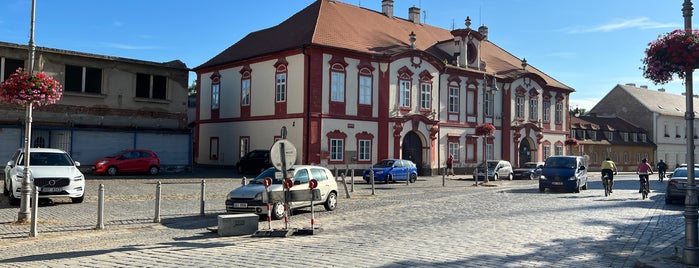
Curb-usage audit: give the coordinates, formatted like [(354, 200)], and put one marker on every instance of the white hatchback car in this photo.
[(248, 198), (52, 170)]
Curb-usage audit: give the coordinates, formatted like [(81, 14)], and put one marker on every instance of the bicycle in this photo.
[(645, 186), (607, 185), (661, 175)]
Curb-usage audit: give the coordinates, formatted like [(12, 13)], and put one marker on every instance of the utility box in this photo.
[(237, 224)]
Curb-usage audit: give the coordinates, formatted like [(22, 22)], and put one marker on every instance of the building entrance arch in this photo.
[(525, 151), (412, 149)]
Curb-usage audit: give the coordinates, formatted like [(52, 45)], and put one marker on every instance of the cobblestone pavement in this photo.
[(423, 224)]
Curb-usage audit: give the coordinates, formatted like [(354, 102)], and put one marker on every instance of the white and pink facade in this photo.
[(353, 86)]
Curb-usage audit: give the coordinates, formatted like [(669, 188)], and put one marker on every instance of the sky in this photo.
[(589, 45)]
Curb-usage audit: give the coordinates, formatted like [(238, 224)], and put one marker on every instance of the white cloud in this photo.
[(620, 24)]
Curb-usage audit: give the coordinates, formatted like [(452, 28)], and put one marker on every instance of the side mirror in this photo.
[(77, 164), (11, 163)]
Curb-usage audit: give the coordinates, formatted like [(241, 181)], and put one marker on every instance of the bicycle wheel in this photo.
[(606, 187), (645, 190)]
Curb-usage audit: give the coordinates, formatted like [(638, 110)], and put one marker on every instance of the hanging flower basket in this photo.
[(674, 53), (37, 89), (486, 129), (571, 142)]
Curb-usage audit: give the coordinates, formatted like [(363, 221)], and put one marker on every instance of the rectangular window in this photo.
[(547, 111), (519, 107), (281, 88), (9, 66), (151, 86), (365, 90), (547, 151), (489, 104), (244, 146), (453, 99), (533, 109), (470, 152), (559, 112), (559, 150), (337, 84), (404, 97), (625, 136), (593, 135), (215, 97), (454, 150), (83, 79), (336, 149), (245, 92), (489, 151), (364, 150), (425, 96)]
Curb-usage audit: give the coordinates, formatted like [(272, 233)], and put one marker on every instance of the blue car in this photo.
[(565, 173), (389, 170)]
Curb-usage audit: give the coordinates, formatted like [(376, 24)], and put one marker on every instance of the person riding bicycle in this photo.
[(644, 169), (609, 169), (662, 167)]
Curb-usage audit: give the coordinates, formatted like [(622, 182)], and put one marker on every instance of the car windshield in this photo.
[(683, 173), (48, 159), (560, 162), (384, 164), (267, 173)]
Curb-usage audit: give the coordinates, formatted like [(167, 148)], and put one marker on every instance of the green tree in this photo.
[(192, 90)]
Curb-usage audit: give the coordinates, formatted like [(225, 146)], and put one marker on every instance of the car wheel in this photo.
[(413, 178), (278, 211), (331, 202), (153, 170), (584, 187), (388, 179), (76, 200), (509, 177), (531, 176), (495, 177), (111, 171)]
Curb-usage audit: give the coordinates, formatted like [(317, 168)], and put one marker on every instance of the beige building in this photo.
[(108, 104)]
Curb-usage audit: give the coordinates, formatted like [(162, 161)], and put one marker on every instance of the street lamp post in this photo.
[(691, 251), (26, 189), (488, 109)]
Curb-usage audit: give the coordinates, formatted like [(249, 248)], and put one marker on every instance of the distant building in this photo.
[(354, 86), (601, 137), (660, 113), (108, 104)]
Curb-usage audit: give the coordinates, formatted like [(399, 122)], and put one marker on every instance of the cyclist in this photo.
[(644, 169), (609, 169), (662, 167)]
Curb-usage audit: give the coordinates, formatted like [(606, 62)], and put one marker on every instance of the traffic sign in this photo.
[(283, 154)]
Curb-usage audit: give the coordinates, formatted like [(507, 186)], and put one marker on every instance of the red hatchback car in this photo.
[(128, 161)]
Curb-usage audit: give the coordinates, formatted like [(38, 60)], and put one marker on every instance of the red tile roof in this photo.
[(340, 25)]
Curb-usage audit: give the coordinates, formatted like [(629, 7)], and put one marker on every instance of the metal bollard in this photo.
[(203, 194), (244, 181), (352, 182), (100, 208), (371, 174), (407, 176), (444, 175), (35, 208), (158, 194)]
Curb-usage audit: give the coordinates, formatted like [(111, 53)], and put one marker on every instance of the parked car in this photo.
[(527, 171), (496, 169), (563, 172), (254, 161), (248, 198), (52, 170), (128, 161), (389, 170), (676, 189)]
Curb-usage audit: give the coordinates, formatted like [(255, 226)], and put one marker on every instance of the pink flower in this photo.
[(23, 88)]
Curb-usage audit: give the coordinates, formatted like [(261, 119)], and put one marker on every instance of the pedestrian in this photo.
[(662, 167), (644, 169), (450, 165)]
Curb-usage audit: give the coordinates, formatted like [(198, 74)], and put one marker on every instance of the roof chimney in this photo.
[(483, 30), (631, 84), (661, 89), (644, 86), (387, 8), (414, 14)]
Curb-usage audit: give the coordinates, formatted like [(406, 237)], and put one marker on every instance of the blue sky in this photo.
[(589, 45)]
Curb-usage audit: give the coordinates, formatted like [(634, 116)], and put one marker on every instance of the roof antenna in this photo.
[(424, 16)]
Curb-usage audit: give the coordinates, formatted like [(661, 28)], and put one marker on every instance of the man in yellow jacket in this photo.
[(609, 169)]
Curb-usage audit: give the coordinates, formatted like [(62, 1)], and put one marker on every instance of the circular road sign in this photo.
[(312, 184), (267, 182), (283, 148)]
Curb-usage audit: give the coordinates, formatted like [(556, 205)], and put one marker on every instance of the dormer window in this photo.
[(472, 52)]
